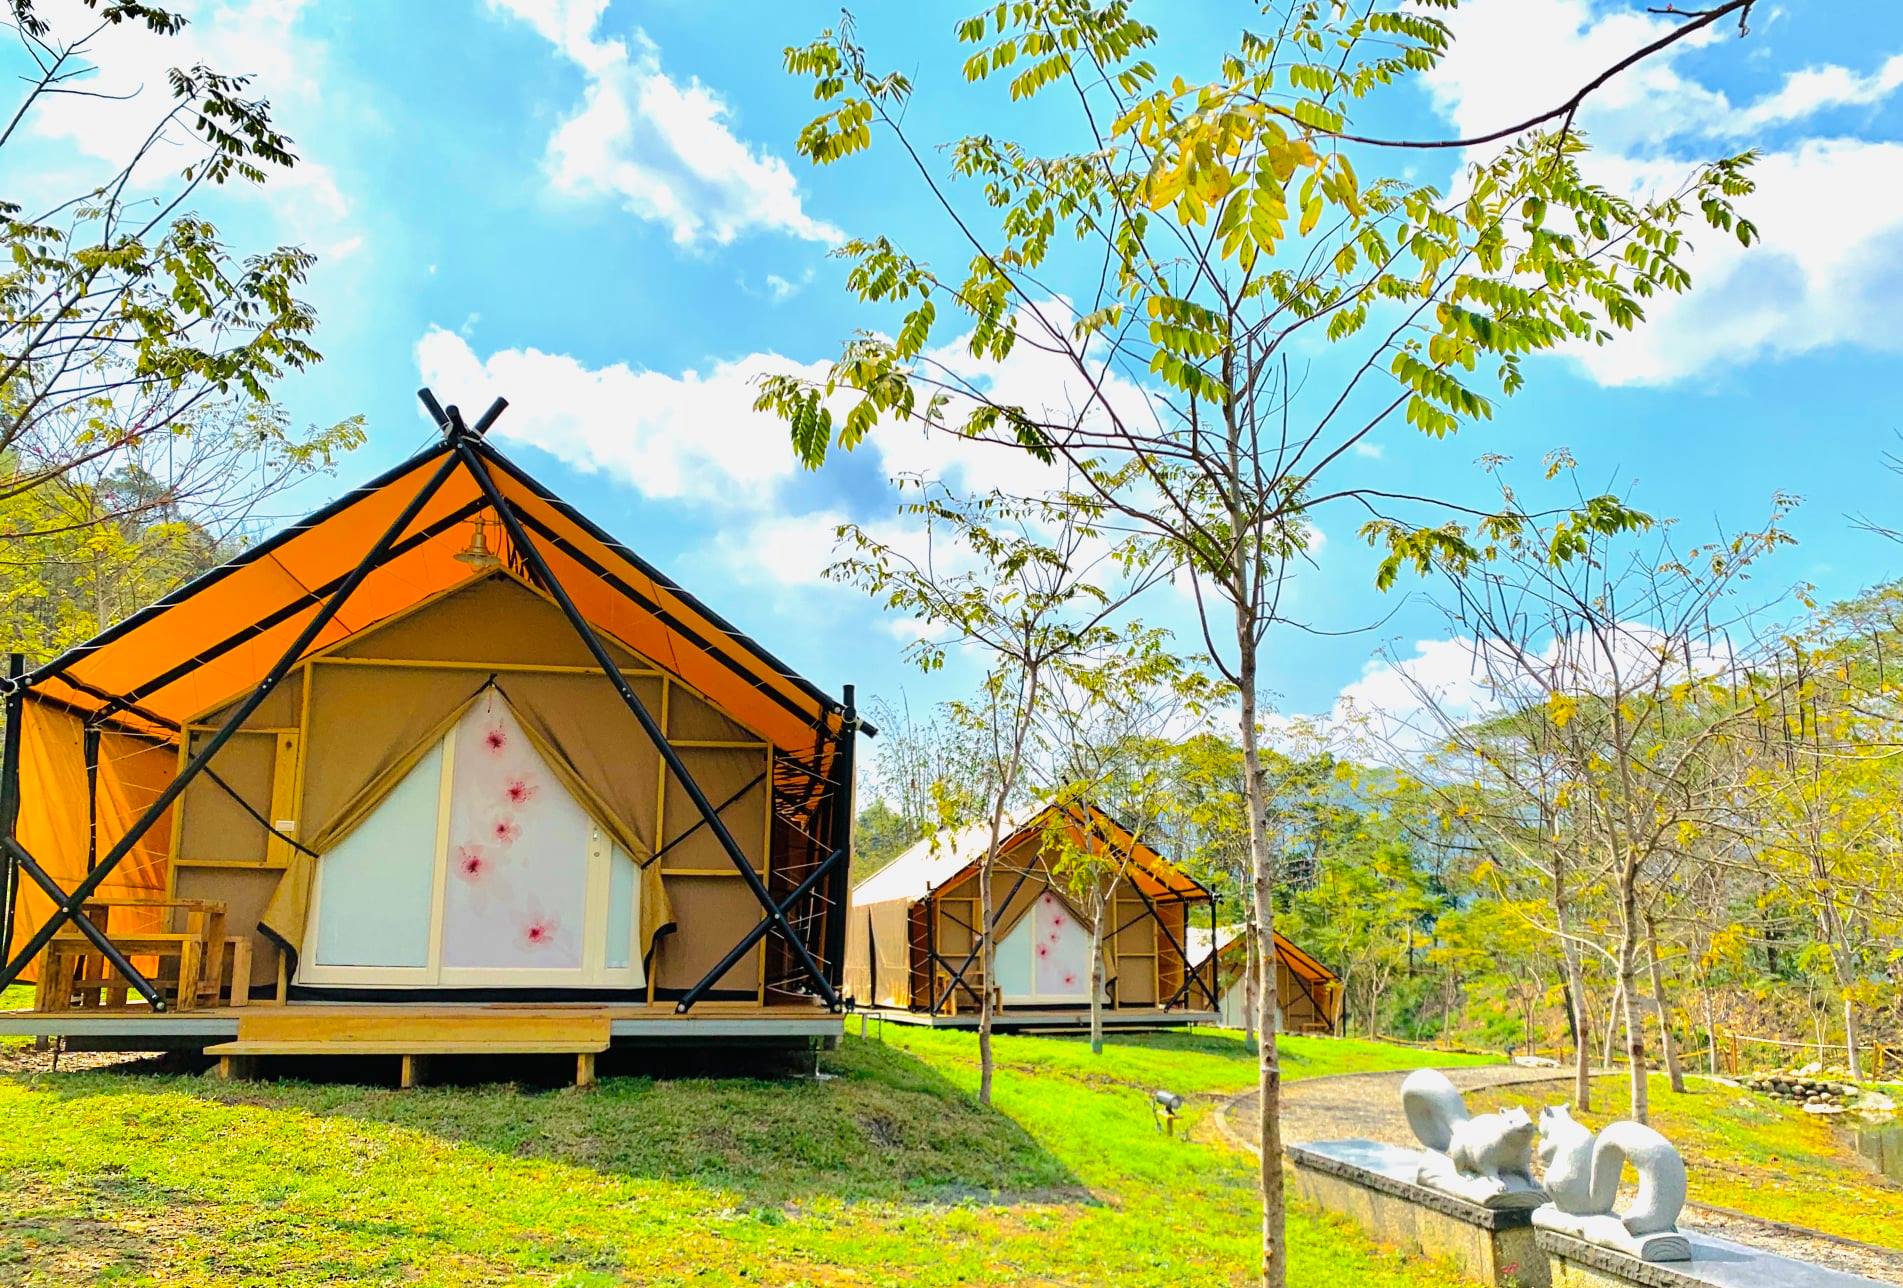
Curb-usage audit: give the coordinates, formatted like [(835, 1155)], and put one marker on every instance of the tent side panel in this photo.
[(53, 824), (879, 953)]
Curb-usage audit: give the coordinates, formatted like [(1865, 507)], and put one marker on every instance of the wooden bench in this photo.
[(74, 971), (413, 1037)]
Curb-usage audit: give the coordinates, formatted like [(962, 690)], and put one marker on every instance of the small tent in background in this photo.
[(444, 740), (913, 933), (1307, 993)]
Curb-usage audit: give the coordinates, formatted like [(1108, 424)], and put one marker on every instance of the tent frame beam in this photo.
[(68, 907), (462, 441)]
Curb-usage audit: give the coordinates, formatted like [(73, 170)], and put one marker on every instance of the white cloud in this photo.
[(1827, 270), (130, 90), (692, 436), (1831, 255), (1815, 89), (1373, 451), (665, 149)]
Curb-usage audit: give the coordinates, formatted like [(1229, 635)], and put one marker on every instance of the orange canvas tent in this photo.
[(138, 764), (914, 936)]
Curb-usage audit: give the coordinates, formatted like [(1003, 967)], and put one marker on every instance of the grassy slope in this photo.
[(890, 1173), (1752, 1154)]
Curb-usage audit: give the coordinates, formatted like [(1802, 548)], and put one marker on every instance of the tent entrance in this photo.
[(478, 869), (1045, 959)]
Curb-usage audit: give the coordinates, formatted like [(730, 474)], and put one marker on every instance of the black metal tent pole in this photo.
[(462, 441), (18, 861), (68, 908), (843, 823), (10, 798), (752, 937)]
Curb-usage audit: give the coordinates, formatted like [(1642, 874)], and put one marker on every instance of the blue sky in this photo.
[(596, 209)]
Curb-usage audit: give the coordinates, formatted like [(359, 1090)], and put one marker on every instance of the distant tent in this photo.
[(1307, 993), (914, 929)]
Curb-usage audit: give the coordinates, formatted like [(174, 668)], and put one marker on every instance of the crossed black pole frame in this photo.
[(68, 907), (466, 444), (462, 444), (1191, 974)]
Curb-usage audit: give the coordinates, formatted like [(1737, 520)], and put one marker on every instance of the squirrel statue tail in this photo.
[(1434, 1108), (1661, 1176)]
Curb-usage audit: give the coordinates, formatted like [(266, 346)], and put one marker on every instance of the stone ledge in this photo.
[(1330, 1157), (1715, 1263)]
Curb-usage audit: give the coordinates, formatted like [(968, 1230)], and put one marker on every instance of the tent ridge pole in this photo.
[(525, 546), (69, 907)]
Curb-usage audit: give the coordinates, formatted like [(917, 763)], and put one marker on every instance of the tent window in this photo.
[(477, 870), (379, 885)]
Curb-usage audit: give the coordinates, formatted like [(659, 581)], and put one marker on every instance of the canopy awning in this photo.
[(219, 635)]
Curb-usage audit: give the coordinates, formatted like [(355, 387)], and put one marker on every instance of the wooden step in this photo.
[(397, 1031), (398, 1047)]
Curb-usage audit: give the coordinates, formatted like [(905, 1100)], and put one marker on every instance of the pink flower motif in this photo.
[(472, 864), (495, 738), (504, 830), (1069, 979), (519, 790), (1057, 920), (1043, 950), (539, 930)]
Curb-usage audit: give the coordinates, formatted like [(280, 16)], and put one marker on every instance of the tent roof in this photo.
[(218, 636), (946, 856), (1198, 940)]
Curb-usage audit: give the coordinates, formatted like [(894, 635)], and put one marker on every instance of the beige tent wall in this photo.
[(879, 965), (372, 699)]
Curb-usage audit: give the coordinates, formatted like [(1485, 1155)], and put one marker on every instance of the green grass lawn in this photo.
[(1756, 1155), (889, 1172)]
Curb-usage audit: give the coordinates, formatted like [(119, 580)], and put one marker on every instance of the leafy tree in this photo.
[(1025, 585), (1202, 228), (1095, 753), (135, 345), (880, 835)]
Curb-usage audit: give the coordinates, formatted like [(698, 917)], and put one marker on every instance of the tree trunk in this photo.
[(1853, 1062), (1576, 993), (1262, 881), (987, 963), (1711, 1035), (1251, 986), (1613, 1011), (1096, 983), (1634, 1021), (1667, 1043)]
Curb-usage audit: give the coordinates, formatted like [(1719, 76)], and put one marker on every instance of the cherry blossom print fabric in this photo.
[(518, 852), (1060, 965)]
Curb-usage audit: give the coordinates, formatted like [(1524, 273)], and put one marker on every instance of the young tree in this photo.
[(1099, 740), (1202, 228), (1027, 586), (1621, 660), (135, 345)]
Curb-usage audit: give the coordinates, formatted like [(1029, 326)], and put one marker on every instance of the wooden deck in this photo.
[(483, 1025), (1025, 1019)]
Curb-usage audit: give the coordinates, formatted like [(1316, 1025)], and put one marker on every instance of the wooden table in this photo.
[(75, 971)]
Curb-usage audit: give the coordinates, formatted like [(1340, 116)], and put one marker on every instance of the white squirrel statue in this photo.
[(1484, 1158), (1581, 1172)]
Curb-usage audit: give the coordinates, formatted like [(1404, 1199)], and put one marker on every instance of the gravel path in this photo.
[(1368, 1106)]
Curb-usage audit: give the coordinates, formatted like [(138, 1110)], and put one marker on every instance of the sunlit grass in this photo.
[(887, 1173)]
